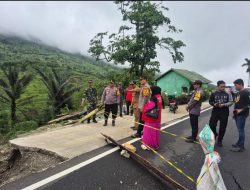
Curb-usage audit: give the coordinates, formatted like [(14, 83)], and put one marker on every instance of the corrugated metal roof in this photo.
[(190, 75)]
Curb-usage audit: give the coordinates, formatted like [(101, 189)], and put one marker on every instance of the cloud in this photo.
[(216, 33)]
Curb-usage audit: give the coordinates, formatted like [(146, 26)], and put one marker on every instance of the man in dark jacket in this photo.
[(194, 109), (241, 112), (220, 100)]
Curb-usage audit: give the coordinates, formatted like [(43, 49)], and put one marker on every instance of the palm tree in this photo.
[(60, 90), (248, 69), (14, 84)]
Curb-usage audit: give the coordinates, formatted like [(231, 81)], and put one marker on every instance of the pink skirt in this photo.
[(151, 137)]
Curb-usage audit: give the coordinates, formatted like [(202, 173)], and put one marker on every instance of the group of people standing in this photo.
[(221, 101), (140, 101), (146, 104)]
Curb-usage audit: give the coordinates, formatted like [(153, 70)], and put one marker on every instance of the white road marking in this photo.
[(91, 160), (73, 168)]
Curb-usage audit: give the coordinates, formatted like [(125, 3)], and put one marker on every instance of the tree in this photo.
[(60, 88), (248, 69), (14, 85), (138, 48)]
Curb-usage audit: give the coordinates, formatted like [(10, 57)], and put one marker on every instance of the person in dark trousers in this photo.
[(128, 97), (220, 100), (241, 112), (194, 109), (120, 105), (144, 97), (111, 99)]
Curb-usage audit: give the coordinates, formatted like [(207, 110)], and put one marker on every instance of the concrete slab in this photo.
[(72, 141)]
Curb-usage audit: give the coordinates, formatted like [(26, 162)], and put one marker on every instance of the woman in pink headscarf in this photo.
[(152, 125)]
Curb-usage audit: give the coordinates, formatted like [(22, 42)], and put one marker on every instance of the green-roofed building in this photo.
[(179, 81)]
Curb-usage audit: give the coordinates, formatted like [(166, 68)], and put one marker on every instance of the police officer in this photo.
[(111, 99), (145, 94), (194, 109), (220, 100), (135, 103), (91, 96)]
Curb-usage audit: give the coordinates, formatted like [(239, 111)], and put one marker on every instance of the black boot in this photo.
[(189, 137), (191, 140), (136, 135), (113, 122), (219, 143), (94, 121), (88, 121), (106, 123)]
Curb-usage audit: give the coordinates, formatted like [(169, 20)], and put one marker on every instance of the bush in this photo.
[(4, 122), (165, 99), (182, 99), (43, 115), (25, 126), (11, 134), (206, 96)]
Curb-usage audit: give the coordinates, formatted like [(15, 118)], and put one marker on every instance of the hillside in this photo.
[(79, 63), (82, 67)]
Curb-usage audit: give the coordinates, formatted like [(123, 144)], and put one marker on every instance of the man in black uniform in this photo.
[(91, 96), (241, 112), (220, 100)]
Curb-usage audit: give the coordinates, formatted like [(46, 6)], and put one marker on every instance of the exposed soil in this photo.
[(17, 162)]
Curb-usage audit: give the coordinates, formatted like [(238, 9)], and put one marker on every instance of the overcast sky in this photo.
[(216, 33)]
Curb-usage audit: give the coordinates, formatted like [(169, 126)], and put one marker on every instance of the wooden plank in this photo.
[(147, 165), (95, 111), (69, 116)]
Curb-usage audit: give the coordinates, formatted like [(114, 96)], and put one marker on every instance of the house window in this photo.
[(184, 90)]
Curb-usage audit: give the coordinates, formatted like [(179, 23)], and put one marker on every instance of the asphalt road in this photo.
[(116, 172)]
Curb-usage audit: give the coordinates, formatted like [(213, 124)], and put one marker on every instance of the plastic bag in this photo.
[(210, 177)]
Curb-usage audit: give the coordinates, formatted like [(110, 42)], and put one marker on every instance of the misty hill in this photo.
[(79, 63), (81, 67)]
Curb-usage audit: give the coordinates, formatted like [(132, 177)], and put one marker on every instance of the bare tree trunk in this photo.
[(13, 112), (141, 70)]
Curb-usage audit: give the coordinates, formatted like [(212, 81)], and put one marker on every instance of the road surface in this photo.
[(116, 172)]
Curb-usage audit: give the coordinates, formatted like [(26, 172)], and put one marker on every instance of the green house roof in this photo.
[(189, 75)]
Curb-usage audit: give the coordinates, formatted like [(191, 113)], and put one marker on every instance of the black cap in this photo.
[(239, 81), (198, 82), (133, 82), (143, 77)]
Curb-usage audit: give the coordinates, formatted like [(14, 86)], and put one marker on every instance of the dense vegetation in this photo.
[(33, 101)]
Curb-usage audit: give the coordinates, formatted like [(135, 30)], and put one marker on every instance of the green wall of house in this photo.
[(173, 82)]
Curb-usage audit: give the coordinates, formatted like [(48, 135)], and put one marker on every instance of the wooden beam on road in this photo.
[(68, 116), (148, 166)]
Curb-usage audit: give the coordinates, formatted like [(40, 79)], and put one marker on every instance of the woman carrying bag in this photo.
[(151, 115)]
